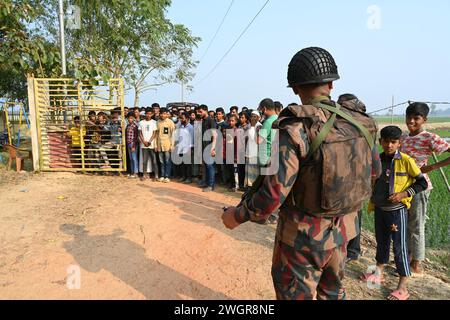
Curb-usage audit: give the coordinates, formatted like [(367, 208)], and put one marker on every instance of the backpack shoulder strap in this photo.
[(315, 144), (356, 123)]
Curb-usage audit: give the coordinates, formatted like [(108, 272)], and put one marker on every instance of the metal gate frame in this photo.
[(55, 101)]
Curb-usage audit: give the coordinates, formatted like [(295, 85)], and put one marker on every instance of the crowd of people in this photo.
[(200, 145)]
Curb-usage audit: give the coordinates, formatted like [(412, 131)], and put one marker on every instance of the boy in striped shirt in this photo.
[(420, 145)]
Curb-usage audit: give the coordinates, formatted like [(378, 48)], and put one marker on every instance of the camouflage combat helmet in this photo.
[(312, 65)]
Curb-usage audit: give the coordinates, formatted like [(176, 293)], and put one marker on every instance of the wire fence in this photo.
[(407, 103)]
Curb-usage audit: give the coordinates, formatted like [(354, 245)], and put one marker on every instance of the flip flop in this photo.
[(397, 295), (371, 277)]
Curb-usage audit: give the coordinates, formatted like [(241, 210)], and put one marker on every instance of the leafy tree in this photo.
[(130, 39), (168, 61), (23, 48)]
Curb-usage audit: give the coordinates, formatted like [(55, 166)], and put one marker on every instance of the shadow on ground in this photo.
[(199, 209), (128, 262)]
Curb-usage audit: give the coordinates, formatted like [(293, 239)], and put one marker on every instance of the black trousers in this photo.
[(393, 226), (185, 169), (230, 171), (129, 169), (354, 245), (241, 175)]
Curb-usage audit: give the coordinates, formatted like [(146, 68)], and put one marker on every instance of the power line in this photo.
[(389, 108), (217, 31), (234, 44), (406, 102), (428, 102)]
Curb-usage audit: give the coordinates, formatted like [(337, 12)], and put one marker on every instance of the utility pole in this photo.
[(392, 110), (62, 43), (182, 91), (61, 38)]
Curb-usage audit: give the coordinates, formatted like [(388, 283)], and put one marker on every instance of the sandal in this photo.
[(398, 295), (372, 277)]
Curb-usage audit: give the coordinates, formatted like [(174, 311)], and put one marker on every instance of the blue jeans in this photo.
[(166, 164), (134, 164), (210, 173)]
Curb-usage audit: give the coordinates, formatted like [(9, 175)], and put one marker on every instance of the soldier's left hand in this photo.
[(228, 218)]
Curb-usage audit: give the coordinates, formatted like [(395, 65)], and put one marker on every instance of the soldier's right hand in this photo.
[(228, 218)]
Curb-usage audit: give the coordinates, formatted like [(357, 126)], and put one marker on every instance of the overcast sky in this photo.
[(382, 48)]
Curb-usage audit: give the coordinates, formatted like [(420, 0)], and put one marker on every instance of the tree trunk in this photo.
[(136, 97)]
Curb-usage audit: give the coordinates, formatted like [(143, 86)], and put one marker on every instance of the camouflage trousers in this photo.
[(308, 274)]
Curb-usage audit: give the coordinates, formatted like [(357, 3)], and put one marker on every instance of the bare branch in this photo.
[(151, 86), (144, 75)]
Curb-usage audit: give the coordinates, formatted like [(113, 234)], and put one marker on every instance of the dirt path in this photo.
[(139, 240)]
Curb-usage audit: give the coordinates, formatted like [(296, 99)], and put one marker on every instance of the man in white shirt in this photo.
[(251, 154), (184, 138), (147, 137)]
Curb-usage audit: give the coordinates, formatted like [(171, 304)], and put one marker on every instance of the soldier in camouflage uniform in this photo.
[(320, 185)]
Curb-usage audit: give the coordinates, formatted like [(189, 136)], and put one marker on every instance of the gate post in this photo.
[(33, 123)]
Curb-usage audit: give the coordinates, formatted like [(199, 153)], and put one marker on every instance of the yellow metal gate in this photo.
[(80, 126)]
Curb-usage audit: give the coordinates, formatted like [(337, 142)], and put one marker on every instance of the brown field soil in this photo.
[(146, 240), (428, 126)]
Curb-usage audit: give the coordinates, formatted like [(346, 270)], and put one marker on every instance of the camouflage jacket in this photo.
[(296, 228)]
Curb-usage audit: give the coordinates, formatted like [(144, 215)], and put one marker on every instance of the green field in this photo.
[(401, 119), (438, 225), (444, 133)]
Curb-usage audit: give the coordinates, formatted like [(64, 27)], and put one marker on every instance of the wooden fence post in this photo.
[(33, 123)]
